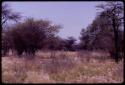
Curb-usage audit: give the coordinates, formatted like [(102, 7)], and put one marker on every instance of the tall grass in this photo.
[(65, 67)]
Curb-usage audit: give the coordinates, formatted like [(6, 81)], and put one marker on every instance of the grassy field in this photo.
[(66, 67)]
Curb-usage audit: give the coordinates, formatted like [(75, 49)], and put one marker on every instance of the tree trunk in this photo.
[(115, 40)]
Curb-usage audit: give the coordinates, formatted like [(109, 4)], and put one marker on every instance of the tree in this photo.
[(83, 39), (7, 42), (101, 35), (8, 14), (31, 35), (114, 11), (69, 43)]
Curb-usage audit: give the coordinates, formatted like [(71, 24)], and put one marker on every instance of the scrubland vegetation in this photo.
[(32, 52)]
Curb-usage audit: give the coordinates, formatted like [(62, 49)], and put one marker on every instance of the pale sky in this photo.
[(73, 16)]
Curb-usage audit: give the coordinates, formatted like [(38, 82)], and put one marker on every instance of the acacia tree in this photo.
[(69, 43), (52, 44), (114, 12), (30, 35), (8, 14)]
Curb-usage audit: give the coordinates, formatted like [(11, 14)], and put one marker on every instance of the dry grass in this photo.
[(66, 67)]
